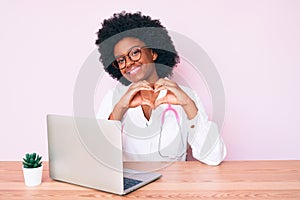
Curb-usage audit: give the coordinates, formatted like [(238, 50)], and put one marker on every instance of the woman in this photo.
[(159, 117)]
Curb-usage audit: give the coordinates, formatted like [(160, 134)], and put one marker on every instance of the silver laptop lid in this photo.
[(80, 153)]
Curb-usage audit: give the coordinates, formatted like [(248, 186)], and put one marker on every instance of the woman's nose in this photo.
[(129, 62)]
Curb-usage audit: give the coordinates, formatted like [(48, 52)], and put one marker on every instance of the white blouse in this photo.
[(157, 140)]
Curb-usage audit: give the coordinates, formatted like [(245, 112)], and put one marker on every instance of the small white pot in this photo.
[(33, 176)]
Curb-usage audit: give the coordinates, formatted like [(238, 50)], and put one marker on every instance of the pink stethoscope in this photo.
[(171, 157), (170, 108)]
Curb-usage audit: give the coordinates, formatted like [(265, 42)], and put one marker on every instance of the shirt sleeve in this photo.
[(204, 137), (109, 101)]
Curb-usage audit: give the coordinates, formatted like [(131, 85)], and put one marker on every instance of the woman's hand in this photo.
[(144, 93), (140, 93), (175, 96)]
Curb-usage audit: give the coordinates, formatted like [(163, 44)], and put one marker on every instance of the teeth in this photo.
[(134, 70)]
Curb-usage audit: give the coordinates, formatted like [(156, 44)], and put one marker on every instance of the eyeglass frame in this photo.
[(115, 62)]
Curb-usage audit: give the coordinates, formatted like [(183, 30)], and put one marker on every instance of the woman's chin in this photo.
[(135, 78)]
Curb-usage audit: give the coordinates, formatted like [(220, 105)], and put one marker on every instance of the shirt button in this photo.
[(193, 126)]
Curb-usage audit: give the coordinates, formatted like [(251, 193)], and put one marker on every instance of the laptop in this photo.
[(88, 152)]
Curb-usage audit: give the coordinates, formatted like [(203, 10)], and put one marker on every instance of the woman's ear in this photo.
[(154, 55)]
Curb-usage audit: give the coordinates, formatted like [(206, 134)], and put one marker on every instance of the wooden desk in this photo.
[(182, 180)]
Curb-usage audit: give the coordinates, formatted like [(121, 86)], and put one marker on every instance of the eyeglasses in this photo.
[(134, 54)]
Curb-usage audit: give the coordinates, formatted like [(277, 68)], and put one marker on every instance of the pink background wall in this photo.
[(255, 46)]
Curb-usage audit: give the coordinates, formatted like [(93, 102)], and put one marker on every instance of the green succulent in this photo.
[(32, 160)]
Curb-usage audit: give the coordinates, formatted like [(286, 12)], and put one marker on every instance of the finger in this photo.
[(146, 85), (145, 88), (140, 84), (162, 84), (159, 88), (159, 83), (135, 100), (163, 81), (151, 85), (163, 87), (146, 102), (137, 90), (159, 102)]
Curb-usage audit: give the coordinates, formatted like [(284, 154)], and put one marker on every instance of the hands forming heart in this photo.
[(147, 93), (149, 96), (143, 94)]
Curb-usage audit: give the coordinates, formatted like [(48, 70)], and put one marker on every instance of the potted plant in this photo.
[(32, 169)]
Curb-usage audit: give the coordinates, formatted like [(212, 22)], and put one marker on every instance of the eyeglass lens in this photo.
[(134, 55)]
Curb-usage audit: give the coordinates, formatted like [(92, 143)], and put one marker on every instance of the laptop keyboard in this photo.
[(128, 182)]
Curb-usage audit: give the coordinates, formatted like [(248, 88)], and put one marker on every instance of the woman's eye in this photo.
[(120, 60), (135, 52)]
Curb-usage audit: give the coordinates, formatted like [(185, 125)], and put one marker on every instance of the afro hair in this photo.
[(136, 25)]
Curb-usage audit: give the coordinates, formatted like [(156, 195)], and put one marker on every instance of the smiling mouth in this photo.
[(134, 70)]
